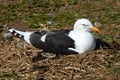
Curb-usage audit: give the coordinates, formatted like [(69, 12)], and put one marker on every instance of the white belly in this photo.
[(84, 41)]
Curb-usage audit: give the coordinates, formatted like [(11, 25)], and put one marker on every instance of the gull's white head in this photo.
[(84, 25)]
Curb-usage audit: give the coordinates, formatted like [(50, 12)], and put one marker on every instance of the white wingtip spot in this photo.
[(43, 37), (11, 30), (15, 34), (20, 36)]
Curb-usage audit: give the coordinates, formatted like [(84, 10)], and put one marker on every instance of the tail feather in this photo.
[(17, 33), (20, 34)]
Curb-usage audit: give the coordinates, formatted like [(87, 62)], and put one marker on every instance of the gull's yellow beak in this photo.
[(94, 29)]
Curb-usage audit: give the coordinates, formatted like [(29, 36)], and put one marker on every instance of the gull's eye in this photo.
[(84, 25)]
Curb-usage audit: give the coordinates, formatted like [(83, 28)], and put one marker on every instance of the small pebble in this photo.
[(49, 22), (97, 24), (7, 35)]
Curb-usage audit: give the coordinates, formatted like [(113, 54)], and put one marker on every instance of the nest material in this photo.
[(17, 63)]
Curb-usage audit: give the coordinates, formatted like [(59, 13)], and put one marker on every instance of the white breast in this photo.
[(84, 41)]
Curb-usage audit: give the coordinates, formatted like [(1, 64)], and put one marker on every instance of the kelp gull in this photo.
[(79, 40)]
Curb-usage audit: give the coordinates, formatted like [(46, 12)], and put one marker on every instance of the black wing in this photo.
[(56, 41), (59, 43)]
